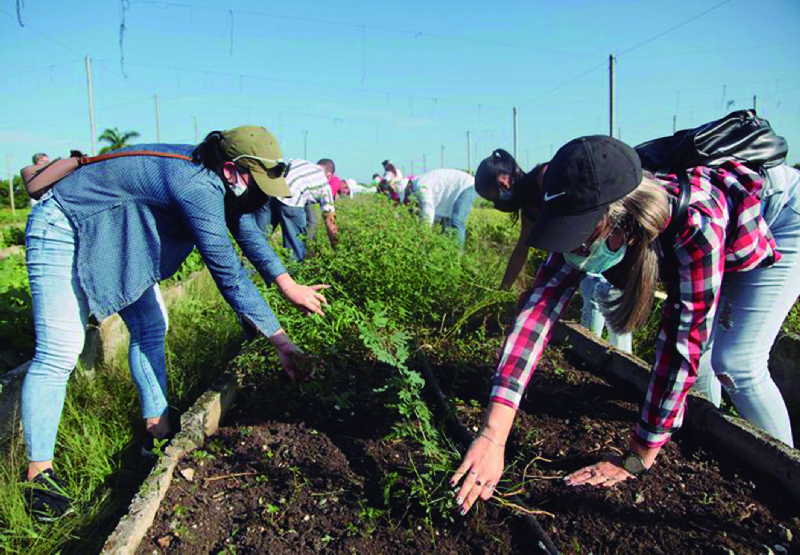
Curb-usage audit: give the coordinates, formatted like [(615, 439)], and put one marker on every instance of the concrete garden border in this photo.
[(200, 421), (784, 366), (730, 434)]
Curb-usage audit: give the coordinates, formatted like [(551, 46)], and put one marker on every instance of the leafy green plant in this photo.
[(16, 323), (12, 235), (427, 485)]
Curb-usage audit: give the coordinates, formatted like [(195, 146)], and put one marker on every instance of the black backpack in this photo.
[(741, 136)]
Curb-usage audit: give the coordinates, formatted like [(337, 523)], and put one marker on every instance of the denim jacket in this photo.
[(137, 218)]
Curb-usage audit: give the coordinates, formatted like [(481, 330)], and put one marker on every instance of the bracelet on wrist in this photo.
[(491, 440)]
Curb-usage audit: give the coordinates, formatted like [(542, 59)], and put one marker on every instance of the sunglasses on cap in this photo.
[(279, 166)]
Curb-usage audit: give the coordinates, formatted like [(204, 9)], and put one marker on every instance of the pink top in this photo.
[(336, 184)]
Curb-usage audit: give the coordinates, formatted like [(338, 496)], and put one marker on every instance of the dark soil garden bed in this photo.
[(284, 488), (690, 502), (291, 475)]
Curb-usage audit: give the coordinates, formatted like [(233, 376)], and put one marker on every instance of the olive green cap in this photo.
[(242, 142)]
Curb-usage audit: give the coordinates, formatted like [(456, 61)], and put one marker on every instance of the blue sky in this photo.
[(375, 80)]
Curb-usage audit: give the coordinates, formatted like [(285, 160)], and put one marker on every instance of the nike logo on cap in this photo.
[(549, 197)]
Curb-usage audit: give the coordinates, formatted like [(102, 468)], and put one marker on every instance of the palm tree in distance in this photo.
[(115, 139)]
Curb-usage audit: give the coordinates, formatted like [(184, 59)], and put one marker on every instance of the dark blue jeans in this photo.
[(292, 220)]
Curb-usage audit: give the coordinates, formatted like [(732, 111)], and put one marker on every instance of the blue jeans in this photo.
[(597, 291), (60, 313), (752, 308), (292, 220), (312, 221), (461, 209)]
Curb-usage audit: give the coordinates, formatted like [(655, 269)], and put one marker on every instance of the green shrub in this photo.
[(12, 235), (16, 322)]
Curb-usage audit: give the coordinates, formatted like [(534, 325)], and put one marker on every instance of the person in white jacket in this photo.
[(445, 195)]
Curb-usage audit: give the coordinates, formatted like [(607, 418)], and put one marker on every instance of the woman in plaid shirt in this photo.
[(732, 280)]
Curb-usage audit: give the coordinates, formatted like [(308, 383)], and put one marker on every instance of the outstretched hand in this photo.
[(297, 364), (481, 470), (307, 297), (604, 474)]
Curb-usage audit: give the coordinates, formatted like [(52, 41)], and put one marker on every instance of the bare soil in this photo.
[(299, 471), (691, 501)]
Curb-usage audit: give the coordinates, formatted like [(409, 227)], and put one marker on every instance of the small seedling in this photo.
[(180, 511), (202, 455)]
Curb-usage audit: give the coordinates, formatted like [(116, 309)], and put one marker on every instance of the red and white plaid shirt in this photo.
[(724, 232)]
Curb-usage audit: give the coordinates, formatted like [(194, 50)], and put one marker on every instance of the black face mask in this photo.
[(249, 201), (506, 205), (522, 192)]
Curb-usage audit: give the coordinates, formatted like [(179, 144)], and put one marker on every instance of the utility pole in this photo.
[(469, 159), (305, 144), (90, 90), (10, 184), (754, 102), (441, 157), (424, 163), (611, 66), (674, 123), (514, 115), (196, 136), (158, 123)]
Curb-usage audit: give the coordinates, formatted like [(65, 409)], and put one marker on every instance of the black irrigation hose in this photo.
[(465, 438)]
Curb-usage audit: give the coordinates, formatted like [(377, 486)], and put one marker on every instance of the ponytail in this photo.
[(209, 153)]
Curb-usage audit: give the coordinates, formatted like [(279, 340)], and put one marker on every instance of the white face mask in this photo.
[(239, 187), (599, 259)]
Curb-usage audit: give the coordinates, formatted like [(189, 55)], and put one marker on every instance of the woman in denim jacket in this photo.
[(103, 237)]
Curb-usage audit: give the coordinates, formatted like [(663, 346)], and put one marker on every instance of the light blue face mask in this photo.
[(599, 259)]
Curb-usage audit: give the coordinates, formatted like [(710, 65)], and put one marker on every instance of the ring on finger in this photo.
[(478, 482), (473, 473)]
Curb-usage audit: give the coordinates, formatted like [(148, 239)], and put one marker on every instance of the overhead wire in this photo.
[(20, 4), (635, 46), (42, 36), (125, 5), (415, 33), (673, 28)]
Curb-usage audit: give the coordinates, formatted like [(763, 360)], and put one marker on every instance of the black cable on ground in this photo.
[(457, 429)]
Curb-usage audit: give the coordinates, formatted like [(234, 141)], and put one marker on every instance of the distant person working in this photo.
[(447, 196)]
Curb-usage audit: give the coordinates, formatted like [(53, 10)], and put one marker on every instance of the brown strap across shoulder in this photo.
[(84, 160), (39, 180)]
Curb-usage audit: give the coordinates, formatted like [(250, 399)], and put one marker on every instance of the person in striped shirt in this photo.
[(309, 185), (730, 269)]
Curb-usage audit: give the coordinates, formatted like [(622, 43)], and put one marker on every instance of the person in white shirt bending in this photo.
[(445, 195)]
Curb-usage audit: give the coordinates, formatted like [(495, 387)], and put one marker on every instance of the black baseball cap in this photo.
[(583, 178)]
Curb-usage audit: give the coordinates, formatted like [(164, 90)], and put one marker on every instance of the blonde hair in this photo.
[(642, 214)]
